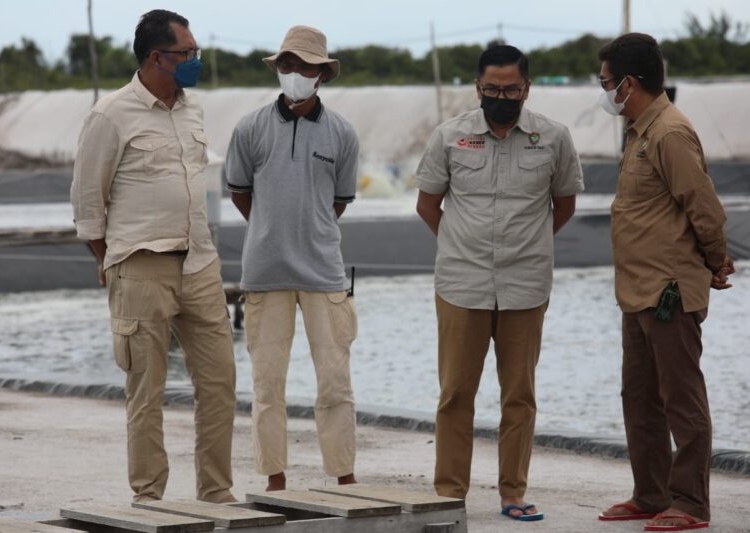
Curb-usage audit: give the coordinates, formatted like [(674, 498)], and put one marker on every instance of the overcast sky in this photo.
[(243, 25)]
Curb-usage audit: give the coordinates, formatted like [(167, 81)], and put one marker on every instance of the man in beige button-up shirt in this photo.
[(139, 198), (669, 249), (508, 177)]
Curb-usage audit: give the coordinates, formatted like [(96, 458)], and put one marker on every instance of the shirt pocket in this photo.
[(150, 152), (469, 171), (641, 181), (198, 149), (535, 172)]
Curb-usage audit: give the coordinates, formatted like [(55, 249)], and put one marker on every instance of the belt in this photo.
[(177, 253)]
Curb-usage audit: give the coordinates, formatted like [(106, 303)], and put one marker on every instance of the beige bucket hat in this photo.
[(309, 44)]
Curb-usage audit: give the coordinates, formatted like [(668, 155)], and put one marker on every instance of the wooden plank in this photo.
[(445, 527), (140, 520), (14, 525), (319, 502), (222, 515), (409, 500), (398, 523)]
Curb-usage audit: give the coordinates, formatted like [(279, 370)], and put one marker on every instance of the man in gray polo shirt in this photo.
[(508, 177), (292, 169)]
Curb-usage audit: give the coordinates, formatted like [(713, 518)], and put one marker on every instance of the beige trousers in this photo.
[(463, 340), (149, 299), (331, 326)]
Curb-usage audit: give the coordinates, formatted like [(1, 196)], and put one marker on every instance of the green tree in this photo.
[(22, 68), (577, 58), (713, 50), (115, 63)]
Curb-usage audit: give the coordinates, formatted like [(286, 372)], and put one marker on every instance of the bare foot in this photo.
[(229, 498), (276, 482), (347, 479)]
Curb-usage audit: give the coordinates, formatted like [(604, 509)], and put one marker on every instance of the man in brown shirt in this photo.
[(669, 249)]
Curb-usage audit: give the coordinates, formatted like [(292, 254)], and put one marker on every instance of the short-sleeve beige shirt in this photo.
[(495, 242), (667, 221), (138, 177)]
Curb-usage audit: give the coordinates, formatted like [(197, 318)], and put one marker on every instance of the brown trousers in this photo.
[(663, 393), (463, 341), (149, 299)]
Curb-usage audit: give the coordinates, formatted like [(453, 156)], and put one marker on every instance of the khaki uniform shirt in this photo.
[(667, 222), (138, 177), (494, 243)]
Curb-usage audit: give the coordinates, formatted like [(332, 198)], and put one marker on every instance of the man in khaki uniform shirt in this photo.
[(508, 177), (667, 228), (139, 198)]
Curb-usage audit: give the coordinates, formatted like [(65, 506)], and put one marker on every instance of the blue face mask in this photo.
[(186, 73)]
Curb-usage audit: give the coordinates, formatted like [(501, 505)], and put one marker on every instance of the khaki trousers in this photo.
[(463, 341), (331, 326), (663, 394), (149, 299)]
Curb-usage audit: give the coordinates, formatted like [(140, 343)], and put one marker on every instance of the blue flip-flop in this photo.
[(522, 517)]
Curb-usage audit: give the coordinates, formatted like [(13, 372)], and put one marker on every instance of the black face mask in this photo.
[(501, 110)]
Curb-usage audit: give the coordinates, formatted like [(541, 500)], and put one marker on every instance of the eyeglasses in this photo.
[(190, 53), (605, 81), (511, 92), (308, 70)]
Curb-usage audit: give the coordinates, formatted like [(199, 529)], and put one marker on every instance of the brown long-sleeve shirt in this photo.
[(667, 221)]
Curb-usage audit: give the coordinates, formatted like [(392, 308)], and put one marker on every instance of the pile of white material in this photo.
[(393, 123)]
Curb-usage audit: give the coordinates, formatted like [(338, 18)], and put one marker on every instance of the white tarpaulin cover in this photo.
[(393, 123)]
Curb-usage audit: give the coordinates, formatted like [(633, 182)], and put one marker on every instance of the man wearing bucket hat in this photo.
[(292, 169)]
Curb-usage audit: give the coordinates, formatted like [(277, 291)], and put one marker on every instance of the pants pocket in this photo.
[(128, 354), (253, 315), (343, 316)]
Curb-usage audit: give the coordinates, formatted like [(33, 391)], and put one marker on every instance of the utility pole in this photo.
[(436, 74), (214, 65), (93, 56), (625, 29)]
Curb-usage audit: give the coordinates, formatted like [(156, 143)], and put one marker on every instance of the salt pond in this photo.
[(63, 336)]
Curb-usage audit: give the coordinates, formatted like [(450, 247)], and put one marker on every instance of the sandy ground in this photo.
[(57, 452)]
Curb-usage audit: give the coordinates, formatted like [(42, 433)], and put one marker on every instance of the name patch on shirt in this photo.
[(476, 142), (323, 158), (641, 153)]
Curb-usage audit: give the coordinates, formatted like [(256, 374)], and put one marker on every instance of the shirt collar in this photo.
[(288, 115), (641, 124), (147, 97), (480, 126)]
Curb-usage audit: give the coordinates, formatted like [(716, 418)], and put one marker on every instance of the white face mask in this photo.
[(607, 101), (297, 87)]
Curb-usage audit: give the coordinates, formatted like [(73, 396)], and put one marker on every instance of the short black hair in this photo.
[(500, 55), (636, 54), (155, 30)]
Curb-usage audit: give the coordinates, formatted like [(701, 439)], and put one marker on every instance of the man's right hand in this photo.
[(100, 273), (719, 281)]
